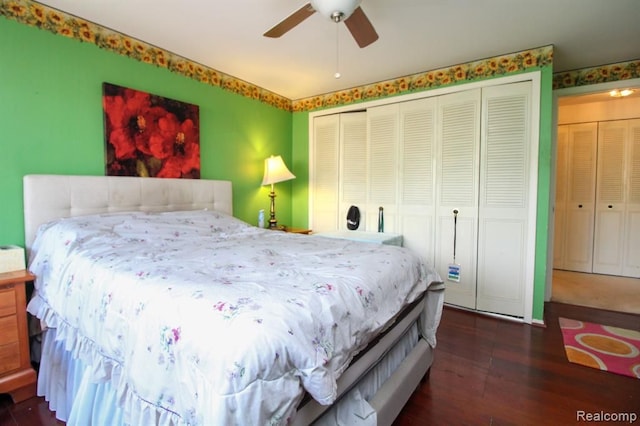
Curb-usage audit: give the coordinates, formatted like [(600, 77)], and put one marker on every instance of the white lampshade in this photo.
[(326, 8), (275, 171)]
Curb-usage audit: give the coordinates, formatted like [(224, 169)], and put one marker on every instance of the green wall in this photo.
[(300, 154), (51, 121), (544, 213)]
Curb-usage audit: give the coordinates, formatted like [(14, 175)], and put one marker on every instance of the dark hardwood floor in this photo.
[(487, 371)]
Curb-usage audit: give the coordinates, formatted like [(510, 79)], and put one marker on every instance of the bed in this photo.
[(159, 307)]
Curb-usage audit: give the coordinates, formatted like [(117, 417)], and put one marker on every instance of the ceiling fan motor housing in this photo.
[(329, 8)]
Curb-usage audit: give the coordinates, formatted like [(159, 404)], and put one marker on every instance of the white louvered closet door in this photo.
[(457, 173), (324, 174), (617, 224), (417, 176), (505, 199), (353, 166), (581, 185), (560, 209), (382, 189), (610, 198)]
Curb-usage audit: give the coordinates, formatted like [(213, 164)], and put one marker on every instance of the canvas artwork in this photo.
[(150, 136)]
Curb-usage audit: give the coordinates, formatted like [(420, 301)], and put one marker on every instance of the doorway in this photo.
[(582, 105)]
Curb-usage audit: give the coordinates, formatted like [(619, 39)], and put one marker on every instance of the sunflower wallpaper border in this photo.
[(595, 75), (149, 135), (37, 15), (49, 19), (467, 72)]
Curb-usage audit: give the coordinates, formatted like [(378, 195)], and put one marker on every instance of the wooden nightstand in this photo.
[(17, 377)]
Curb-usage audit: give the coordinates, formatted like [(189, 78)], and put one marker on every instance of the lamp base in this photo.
[(273, 223)]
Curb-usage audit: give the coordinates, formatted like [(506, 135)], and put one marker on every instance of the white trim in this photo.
[(533, 188), (539, 323), (535, 78), (594, 88), (488, 314)]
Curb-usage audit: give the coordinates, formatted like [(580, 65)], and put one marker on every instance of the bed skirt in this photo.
[(68, 385)]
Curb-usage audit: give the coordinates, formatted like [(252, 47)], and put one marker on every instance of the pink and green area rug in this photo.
[(612, 349)]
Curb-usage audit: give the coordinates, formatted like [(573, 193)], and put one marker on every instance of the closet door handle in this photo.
[(579, 206), (610, 206)]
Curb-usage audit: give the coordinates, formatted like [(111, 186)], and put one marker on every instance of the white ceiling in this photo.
[(415, 36)]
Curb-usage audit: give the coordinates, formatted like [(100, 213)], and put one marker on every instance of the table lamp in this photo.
[(275, 171)]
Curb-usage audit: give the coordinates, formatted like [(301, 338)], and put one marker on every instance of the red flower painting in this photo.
[(150, 136)]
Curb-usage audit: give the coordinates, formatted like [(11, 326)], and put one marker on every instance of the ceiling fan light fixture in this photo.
[(328, 8)]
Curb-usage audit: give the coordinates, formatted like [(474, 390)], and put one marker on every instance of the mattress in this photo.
[(199, 318)]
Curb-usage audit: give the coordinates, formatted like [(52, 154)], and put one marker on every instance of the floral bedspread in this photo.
[(209, 320)]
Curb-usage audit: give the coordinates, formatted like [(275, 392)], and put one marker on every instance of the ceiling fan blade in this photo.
[(291, 21), (361, 28)]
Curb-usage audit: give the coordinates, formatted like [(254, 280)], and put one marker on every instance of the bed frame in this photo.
[(49, 197)]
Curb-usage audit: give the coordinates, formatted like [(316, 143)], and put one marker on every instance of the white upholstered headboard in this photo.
[(49, 197)]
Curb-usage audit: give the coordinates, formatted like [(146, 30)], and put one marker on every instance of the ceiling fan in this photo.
[(347, 11)]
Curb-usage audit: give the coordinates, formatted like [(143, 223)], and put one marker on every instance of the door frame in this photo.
[(557, 94)]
